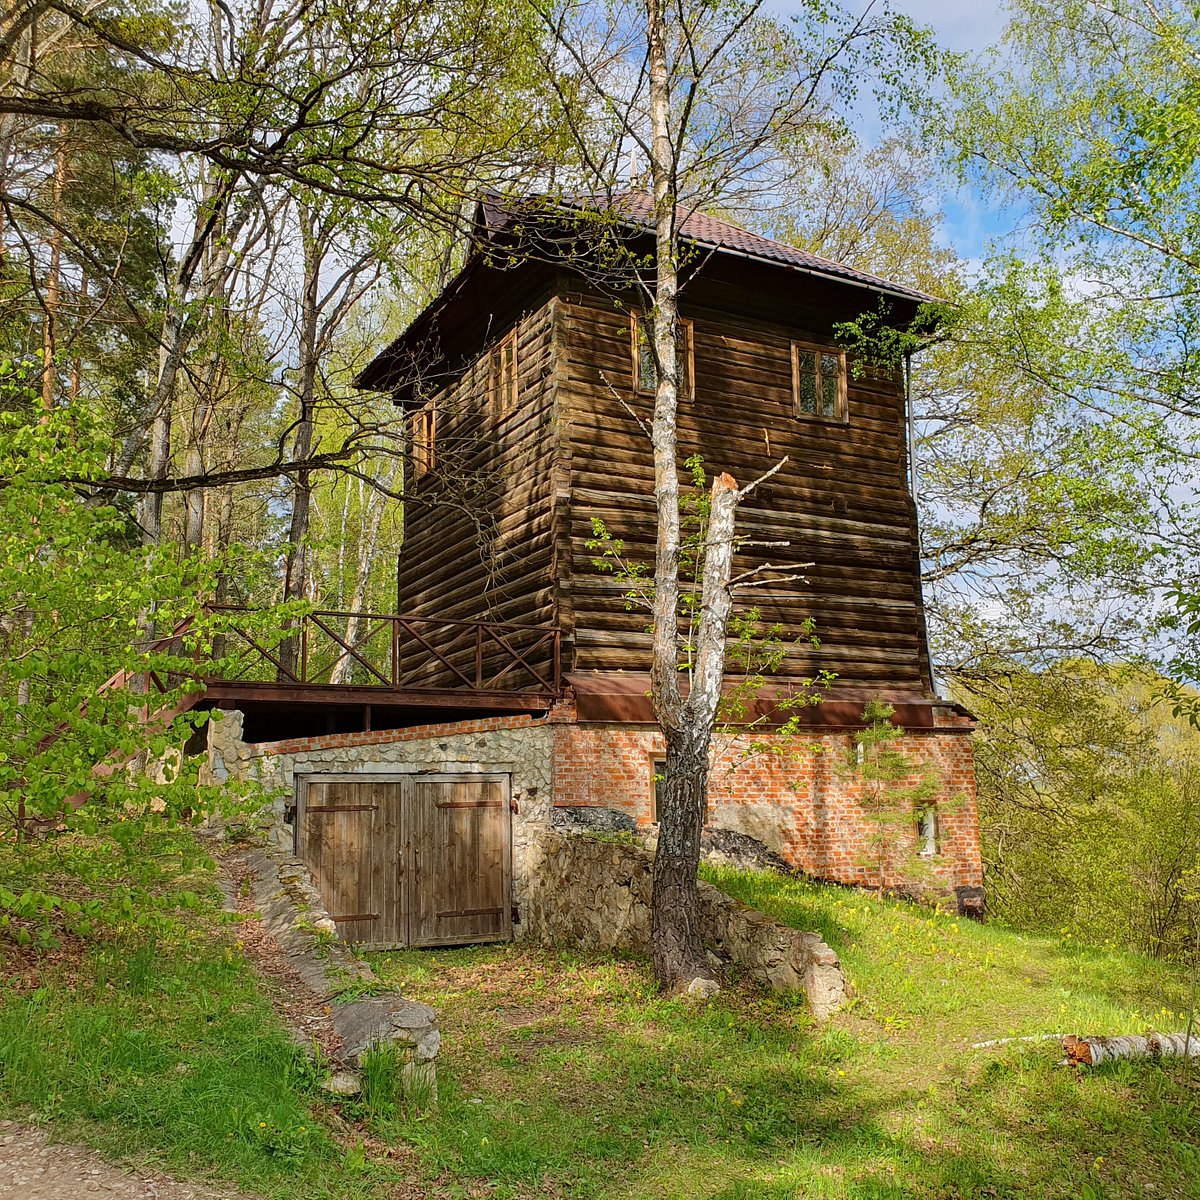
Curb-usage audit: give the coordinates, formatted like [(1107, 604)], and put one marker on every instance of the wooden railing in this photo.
[(392, 652)]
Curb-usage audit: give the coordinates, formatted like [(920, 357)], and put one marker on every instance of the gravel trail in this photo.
[(33, 1168)]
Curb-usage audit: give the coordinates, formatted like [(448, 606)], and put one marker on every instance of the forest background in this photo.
[(211, 216)]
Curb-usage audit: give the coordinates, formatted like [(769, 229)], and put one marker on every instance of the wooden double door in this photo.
[(409, 860)]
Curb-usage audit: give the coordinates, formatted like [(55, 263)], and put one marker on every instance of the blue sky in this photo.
[(965, 27)]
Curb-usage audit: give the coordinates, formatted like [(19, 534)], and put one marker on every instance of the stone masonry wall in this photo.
[(800, 801), (596, 894)]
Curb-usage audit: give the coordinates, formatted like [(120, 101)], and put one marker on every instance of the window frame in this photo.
[(423, 439), (656, 761), (929, 843), (505, 394), (841, 414), (637, 321)]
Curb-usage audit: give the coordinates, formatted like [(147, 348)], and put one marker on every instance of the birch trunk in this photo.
[(50, 318), (362, 576), (1091, 1052), (687, 724)]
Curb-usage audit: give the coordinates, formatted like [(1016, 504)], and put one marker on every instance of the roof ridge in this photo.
[(635, 206)]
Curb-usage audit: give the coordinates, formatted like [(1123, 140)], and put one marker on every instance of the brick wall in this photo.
[(797, 795)]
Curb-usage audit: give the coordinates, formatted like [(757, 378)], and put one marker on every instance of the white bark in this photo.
[(1092, 1051)]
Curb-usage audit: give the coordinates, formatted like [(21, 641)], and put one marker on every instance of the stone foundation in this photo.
[(796, 796), (596, 894)]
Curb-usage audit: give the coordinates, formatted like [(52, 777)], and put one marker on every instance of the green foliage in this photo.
[(76, 596), (1089, 799), (1086, 118), (894, 790), (874, 342)]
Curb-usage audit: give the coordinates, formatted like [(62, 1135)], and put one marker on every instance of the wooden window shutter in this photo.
[(424, 440)]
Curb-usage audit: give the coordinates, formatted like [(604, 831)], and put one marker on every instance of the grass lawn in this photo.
[(568, 1075), (152, 1038)]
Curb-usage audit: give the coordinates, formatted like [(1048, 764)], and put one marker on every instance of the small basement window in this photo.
[(645, 374), (818, 382), (503, 371), (658, 784), (927, 832), (423, 431)]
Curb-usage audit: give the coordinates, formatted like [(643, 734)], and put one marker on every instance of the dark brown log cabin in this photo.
[(520, 391)]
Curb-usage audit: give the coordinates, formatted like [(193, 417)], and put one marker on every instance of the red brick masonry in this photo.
[(795, 794)]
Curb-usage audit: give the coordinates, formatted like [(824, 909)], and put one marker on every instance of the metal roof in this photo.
[(636, 209)]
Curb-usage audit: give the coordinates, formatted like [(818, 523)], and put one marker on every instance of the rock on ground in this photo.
[(33, 1168)]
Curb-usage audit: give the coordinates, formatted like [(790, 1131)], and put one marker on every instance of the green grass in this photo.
[(569, 1075), (153, 1040)]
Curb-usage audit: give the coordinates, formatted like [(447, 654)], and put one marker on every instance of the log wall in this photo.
[(842, 501), (499, 530), (477, 532)]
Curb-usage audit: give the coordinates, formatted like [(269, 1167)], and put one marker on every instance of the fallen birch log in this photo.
[(1091, 1052), (1033, 1037)]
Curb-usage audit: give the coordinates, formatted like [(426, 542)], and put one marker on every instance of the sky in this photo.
[(965, 27)]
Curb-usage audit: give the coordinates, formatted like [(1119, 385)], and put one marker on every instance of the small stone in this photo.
[(703, 988), (343, 1083)]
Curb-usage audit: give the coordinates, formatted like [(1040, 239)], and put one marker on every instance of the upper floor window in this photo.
[(645, 373), (818, 382), (503, 374), (423, 431)]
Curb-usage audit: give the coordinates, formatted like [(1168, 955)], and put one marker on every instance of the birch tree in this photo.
[(705, 95)]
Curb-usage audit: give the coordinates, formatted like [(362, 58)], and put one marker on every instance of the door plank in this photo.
[(462, 860)]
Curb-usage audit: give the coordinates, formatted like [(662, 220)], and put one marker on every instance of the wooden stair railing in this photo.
[(461, 658)]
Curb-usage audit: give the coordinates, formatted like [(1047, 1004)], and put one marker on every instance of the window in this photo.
[(658, 783), (818, 382), (503, 382), (423, 431), (927, 832), (645, 376)]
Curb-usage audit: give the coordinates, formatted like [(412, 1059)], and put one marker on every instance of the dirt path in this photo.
[(32, 1168)]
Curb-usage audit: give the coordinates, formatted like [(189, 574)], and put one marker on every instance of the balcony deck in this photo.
[(341, 672)]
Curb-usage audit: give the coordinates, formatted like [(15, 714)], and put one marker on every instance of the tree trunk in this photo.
[(687, 725), (368, 539), (675, 934), (295, 581), (50, 305), (203, 410), (1092, 1051), (674, 919)]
